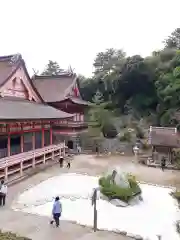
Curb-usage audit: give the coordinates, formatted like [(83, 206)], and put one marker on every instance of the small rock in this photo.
[(138, 237), (130, 235), (123, 233), (118, 203)]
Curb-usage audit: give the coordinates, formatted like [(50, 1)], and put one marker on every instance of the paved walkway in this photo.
[(37, 227)]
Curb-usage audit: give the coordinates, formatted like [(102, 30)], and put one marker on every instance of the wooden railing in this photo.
[(73, 124), (16, 164)]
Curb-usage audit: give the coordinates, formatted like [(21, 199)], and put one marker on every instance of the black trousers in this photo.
[(61, 162), (2, 199), (68, 165), (163, 167), (56, 217)]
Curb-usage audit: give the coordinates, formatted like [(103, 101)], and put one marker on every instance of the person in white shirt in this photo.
[(3, 193)]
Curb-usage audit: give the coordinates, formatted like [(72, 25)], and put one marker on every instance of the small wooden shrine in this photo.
[(163, 140)]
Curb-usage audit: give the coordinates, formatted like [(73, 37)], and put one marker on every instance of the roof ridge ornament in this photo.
[(15, 58)]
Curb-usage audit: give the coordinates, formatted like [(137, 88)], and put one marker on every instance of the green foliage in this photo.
[(100, 118), (109, 131), (173, 41), (126, 137), (52, 68), (178, 127), (146, 146), (132, 85), (139, 133), (114, 191), (176, 195), (11, 236)]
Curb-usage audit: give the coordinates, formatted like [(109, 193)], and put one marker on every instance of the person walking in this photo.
[(68, 163), (56, 211), (3, 193), (61, 160), (163, 163)]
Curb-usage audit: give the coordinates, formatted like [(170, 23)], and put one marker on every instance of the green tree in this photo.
[(168, 91), (135, 85), (173, 41), (100, 118), (52, 68)]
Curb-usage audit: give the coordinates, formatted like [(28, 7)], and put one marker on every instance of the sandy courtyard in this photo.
[(32, 225)]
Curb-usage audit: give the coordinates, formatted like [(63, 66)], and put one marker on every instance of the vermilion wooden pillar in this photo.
[(42, 142), (22, 142), (9, 145), (51, 139), (33, 140)]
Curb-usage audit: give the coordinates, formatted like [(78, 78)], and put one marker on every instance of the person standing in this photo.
[(78, 149), (56, 211), (3, 193), (97, 150)]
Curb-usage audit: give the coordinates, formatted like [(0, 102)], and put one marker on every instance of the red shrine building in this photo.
[(36, 116), (62, 93)]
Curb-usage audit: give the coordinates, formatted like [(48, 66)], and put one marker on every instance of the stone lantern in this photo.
[(136, 151)]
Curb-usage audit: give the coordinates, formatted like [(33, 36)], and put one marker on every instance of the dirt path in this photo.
[(37, 227)]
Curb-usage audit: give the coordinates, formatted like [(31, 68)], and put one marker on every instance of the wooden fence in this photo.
[(17, 164)]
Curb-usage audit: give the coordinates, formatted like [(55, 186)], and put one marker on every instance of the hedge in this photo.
[(113, 191), (176, 195), (11, 236)]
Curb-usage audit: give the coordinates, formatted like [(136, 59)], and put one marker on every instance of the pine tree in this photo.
[(52, 68)]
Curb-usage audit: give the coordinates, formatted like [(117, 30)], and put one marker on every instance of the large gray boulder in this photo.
[(118, 203), (119, 177)]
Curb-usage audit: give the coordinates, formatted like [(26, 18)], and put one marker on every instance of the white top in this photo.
[(3, 189)]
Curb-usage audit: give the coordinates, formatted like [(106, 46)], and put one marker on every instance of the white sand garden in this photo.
[(155, 215)]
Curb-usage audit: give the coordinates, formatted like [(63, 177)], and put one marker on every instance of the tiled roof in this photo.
[(13, 108), (164, 136)]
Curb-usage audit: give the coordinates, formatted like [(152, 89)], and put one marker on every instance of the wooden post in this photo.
[(33, 161), (64, 149), (44, 158), (33, 140), (42, 138), (6, 173), (21, 168), (94, 198), (51, 139), (9, 145), (22, 142)]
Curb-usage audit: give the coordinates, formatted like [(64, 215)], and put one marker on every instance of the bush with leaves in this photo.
[(109, 130), (176, 195), (113, 191), (139, 133), (11, 236), (126, 137)]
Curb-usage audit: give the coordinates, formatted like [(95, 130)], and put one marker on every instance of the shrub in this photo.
[(178, 127), (146, 146), (126, 137), (176, 195), (139, 133), (11, 236), (114, 191), (109, 131)]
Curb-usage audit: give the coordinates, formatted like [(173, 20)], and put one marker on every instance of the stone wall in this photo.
[(105, 145)]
